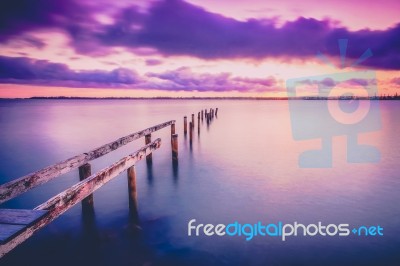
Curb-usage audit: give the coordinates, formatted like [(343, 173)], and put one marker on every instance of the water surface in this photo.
[(243, 167)]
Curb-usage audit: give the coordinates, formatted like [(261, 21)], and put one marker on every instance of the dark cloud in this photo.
[(18, 16), (22, 70), (174, 27)]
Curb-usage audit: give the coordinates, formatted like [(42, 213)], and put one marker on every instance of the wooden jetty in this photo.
[(17, 225)]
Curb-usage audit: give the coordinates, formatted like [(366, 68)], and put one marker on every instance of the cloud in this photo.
[(153, 62), (17, 16), (184, 79), (361, 82), (396, 81), (175, 27), (329, 83), (22, 70)]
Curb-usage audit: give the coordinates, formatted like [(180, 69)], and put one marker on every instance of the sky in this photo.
[(193, 48)]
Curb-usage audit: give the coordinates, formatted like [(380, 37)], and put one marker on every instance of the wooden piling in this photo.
[(132, 194), (84, 172), (202, 115), (149, 158), (185, 125), (190, 132), (175, 147), (192, 120), (216, 111)]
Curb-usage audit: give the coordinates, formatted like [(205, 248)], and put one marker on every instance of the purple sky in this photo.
[(188, 48)]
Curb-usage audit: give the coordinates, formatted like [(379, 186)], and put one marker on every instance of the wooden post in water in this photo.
[(132, 194), (174, 147), (216, 111), (149, 158), (84, 172), (185, 125), (198, 127), (192, 120), (202, 115), (190, 132)]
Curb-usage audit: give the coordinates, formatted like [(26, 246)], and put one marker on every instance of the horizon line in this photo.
[(382, 97)]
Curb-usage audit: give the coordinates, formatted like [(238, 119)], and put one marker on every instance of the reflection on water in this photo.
[(242, 167)]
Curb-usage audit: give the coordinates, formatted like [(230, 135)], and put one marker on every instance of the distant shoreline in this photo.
[(209, 98)]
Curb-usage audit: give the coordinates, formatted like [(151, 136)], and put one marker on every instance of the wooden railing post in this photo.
[(175, 147), (185, 125), (84, 172), (132, 194), (172, 129), (149, 157)]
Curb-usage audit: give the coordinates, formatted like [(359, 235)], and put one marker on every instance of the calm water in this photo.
[(243, 167)]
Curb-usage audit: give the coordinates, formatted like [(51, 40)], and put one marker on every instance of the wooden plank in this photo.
[(8, 231), (18, 216), (25, 183), (13, 221), (68, 198)]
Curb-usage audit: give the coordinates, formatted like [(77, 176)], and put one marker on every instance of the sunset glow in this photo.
[(173, 48)]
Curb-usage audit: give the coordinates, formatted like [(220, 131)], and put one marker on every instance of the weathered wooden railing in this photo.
[(18, 225), (60, 203), (25, 183)]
